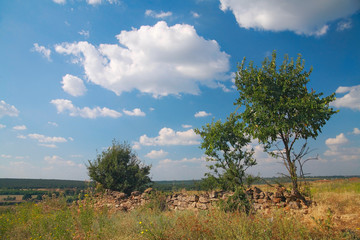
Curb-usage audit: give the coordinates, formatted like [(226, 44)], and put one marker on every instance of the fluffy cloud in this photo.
[(154, 14), (156, 154), (135, 112), (356, 131), (44, 139), (8, 110), (339, 139), (42, 50), (168, 136), (53, 124), (2, 126), (159, 60), (302, 17), (73, 85), (186, 126), (64, 105), (349, 100), (19, 127), (202, 114)]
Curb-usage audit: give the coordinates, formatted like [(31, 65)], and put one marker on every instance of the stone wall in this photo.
[(281, 198)]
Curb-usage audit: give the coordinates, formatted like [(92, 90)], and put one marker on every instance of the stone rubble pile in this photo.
[(281, 198)]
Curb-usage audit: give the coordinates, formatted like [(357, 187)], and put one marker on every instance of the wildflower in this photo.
[(142, 232), (140, 222)]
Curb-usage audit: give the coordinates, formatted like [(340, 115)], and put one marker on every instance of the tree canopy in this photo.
[(279, 108), (118, 168)]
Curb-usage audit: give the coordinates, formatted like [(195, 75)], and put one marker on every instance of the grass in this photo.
[(336, 216)]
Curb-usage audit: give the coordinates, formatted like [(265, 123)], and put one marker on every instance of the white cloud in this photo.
[(93, 2), (168, 136), (42, 50), (21, 136), (186, 126), (154, 14), (64, 105), (53, 124), (2, 126), (307, 17), (356, 131), (339, 139), (159, 60), (202, 114), (19, 127), (6, 156), (84, 33), (56, 160), (343, 25), (44, 139), (135, 112), (156, 154), (51, 145), (7, 109), (59, 1), (73, 85), (350, 100)]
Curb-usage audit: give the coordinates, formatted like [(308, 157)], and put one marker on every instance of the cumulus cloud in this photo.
[(44, 139), (8, 110), (195, 14), (73, 85), (186, 126), (356, 131), (45, 52), (154, 14), (93, 2), (64, 105), (302, 17), (135, 112), (159, 60), (19, 127), (156, 154), (339, 139), (350, 100), (202, 114), (2, 126), (168, 136)]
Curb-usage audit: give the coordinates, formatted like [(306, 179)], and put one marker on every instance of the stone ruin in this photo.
[(281, 198)]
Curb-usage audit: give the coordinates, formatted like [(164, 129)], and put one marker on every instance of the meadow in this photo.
[(335, 215)]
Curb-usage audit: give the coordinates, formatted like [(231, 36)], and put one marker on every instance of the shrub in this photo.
[(119, 169)]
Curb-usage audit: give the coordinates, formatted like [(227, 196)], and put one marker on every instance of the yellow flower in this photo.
[(140, 222), (142, 232)]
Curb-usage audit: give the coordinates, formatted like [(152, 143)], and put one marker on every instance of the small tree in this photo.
[(280, 110), (224, 146), (118, 168)]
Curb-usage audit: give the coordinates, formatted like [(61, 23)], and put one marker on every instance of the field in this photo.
[(335, 216)]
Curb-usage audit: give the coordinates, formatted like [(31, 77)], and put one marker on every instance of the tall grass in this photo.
[(53, 218)]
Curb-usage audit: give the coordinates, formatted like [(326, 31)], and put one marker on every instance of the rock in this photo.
[(257, 190), (193, 198), (213, 194), (203, 200), (294, 205), (149, 190), (135, 193), (201, 206)]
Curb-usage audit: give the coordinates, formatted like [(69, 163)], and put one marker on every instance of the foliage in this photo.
[(26, 196), (280, 109), (118, 168), (224, 146), (16, 183), (239, 201)]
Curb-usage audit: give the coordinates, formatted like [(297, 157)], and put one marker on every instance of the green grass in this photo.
[(53, 218)]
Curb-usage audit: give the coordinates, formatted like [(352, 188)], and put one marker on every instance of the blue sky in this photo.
[(75, 74)]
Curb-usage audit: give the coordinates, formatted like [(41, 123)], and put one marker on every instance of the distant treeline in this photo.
[(15, 183), (10, 185)]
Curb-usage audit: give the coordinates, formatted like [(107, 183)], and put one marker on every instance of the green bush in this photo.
[(119, 169)]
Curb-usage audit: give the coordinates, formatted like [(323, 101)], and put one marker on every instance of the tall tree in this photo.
[(280, 111)]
